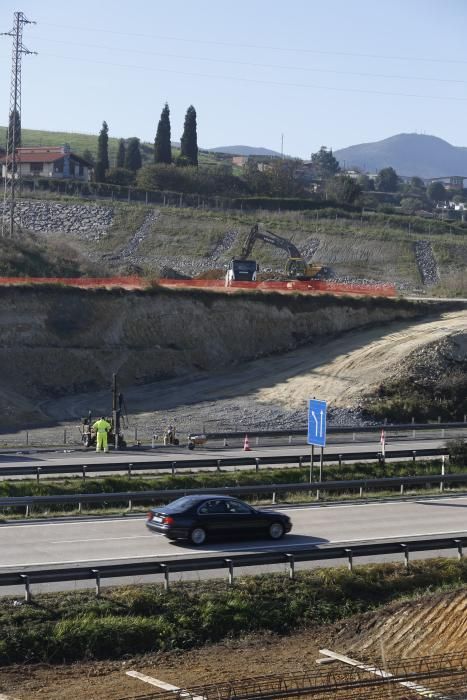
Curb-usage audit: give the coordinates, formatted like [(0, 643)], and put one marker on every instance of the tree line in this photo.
[(129, 158)]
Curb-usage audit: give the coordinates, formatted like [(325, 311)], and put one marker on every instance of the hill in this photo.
[(245, 151), (409, 154), (82, 142)]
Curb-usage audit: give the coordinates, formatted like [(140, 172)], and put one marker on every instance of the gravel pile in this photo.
[(426, 262), (129, 250), (53, 217)]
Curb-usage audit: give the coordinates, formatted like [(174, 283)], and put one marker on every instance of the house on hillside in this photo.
[(453, 183), (51, 162)]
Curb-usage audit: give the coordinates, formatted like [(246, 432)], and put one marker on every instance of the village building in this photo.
[(50, 162)]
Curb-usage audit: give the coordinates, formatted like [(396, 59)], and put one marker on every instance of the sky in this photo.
[(291, 76)]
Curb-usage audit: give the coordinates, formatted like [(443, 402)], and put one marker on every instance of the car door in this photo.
[(213, 516), (242, 518)]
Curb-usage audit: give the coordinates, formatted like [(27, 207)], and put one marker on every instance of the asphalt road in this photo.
[(88, 458), (120, 540)]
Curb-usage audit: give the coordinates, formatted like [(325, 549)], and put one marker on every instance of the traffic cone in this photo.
[(246, 444)]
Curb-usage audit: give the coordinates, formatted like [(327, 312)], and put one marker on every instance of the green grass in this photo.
[(71, 626), (205, 480)]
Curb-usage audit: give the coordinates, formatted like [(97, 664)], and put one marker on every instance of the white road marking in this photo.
[(106, 539), (161, 684), (48, 523), (220, 552)]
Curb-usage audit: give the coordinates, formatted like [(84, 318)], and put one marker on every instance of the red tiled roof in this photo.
[(43, 154)]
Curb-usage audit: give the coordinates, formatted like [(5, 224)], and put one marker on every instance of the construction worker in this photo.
[(101, 428)]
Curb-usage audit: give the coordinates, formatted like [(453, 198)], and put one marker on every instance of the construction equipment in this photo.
[(115, 435), (296, 266), (241, 270)]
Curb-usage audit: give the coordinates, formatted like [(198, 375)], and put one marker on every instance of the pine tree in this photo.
[(121, 154), (102, 162), (133, 159), (162, 144), (189, 141), (15, 122)]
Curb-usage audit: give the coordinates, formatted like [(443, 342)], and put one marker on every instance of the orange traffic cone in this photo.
[(246, 444)]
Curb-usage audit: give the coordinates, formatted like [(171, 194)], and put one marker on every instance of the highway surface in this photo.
[(90, 457), (120, 540)]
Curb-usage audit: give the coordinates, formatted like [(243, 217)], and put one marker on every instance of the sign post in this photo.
[(316, 431)]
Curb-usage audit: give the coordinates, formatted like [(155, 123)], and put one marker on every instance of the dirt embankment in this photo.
[(58, 342)]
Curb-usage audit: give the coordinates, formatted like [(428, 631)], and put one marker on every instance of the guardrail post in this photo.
[(405, 549), (441, 483), (153, 442), (225, 442), (229, 563), (79, 507), (361, 491), (27, 438), (273, 501), (38, 473), (130, 504), (353, 437), (439, 419), (300, 459), (257, 441), (414, 456), (64, 436), (413, 431), (165, 569), (27, 587), (219, 461), (290, 439), (84, 471), (97, 575), (129, 469), (173, 468), (460, 552), (136, 434), (340, 460), (27, 512), (257, 464), (291, 560), (349, 558), (443, 432), (402, 490)]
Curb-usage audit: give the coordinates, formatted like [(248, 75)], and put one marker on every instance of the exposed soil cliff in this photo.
[(57, 342)]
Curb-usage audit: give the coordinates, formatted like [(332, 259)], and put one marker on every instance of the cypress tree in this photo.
[(121, 154), (162, 144), (102, 162), (189, 140), (14, 122), (133, 159)]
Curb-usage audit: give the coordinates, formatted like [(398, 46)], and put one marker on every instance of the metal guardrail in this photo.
[(210, 462), (289, 556), (339, 429), (168, 494)]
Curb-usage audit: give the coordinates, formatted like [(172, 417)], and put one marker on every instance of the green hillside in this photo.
[(82, 142)]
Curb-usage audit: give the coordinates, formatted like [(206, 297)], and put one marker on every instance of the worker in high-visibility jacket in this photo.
[(101, 427)]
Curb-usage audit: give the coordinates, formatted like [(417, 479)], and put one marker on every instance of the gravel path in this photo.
[(427, 264)]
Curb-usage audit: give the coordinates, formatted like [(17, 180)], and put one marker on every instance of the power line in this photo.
[(263, 47), (14, 121), (251, 64), (253, 80)]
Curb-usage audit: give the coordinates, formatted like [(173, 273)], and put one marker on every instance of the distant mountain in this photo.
[(409, 154), (244, 151)]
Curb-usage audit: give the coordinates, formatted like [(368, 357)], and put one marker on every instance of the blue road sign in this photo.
[(317, 422)]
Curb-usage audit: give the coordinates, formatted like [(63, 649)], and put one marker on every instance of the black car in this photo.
[(197, 517)]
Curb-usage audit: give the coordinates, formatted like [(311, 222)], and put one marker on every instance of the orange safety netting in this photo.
[(134, 282)]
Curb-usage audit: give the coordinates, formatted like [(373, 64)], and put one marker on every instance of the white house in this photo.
[(51, 162)]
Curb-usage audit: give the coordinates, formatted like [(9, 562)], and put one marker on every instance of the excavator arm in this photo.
[(268, 237), (296, 266)]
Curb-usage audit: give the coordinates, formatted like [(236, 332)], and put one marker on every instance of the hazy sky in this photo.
[(320, 72)]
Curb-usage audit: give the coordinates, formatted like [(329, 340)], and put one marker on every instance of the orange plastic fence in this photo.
[(134, 282)]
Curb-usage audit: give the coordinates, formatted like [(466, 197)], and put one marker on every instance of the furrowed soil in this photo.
[(429, 625)]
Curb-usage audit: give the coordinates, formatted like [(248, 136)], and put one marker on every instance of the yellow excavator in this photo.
[(296, 267)]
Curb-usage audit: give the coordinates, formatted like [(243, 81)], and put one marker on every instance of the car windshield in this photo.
[(245, 266), (181, 504)]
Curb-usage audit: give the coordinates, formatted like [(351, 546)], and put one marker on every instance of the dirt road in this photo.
[(272, 391)]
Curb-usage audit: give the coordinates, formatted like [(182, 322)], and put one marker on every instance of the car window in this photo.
[(215, 506), (237, 507), (181, 504)]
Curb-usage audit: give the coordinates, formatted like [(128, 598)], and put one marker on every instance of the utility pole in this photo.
[(282, 145), (12, 161)]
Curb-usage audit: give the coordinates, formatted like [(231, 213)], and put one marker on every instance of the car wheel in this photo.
[(198, 535), (276, 531)]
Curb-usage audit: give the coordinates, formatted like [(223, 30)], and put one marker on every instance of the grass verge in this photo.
[(136, 619), (206, 480)]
